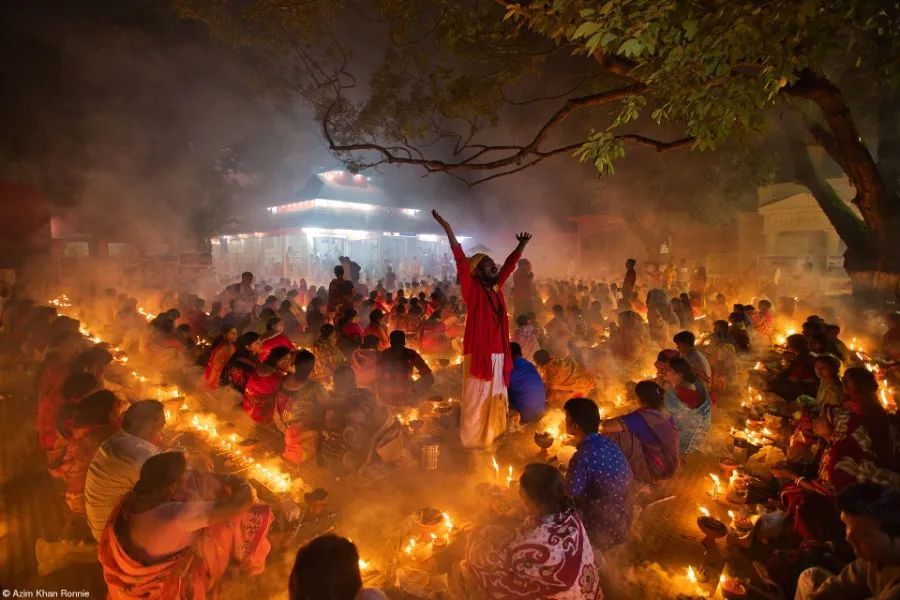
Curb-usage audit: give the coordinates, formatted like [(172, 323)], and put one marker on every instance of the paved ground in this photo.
[(666, 539)]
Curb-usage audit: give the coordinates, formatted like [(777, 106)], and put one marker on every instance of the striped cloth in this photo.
[(113, 471)]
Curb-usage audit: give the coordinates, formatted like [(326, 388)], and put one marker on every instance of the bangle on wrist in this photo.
[(798, 480)]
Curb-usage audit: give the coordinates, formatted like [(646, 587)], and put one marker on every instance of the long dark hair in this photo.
[(95, 409), (327, 568), (649, 394), (683, 368), (545, 487), (158, 474)]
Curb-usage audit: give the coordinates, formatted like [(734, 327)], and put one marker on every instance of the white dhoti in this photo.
[(484, 406)]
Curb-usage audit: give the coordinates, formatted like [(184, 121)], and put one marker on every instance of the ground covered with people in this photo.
[(653, 441)]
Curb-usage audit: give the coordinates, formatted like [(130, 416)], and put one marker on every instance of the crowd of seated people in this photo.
[(326, 373)]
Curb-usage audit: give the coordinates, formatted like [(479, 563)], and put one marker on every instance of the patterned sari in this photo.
[(858, 452), (550, 558), (691, 408)]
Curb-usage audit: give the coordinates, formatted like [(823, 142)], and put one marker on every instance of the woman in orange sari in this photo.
[(176, 533), (221, 354)]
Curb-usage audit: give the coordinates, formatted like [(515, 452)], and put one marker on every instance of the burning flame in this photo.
[(717, 483), (691, 575), (509, 477), (448, 522), (410, 546), (496, 467), (363, 565), (703, 510)]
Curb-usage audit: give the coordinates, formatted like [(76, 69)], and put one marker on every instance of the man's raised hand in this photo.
[(523, 238), (439, 218)]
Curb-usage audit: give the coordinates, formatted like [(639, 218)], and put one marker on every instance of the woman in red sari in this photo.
[(274, 338), (243, 361), (847, 454), (221, 354), (96, 418), (49, 394), (263, 384), (433, 335), (549, 556), (174, 536)]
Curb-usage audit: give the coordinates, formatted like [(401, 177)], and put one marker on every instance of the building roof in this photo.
[(339, 200)]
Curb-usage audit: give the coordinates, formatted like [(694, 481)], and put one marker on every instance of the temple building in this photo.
[(336, 213)]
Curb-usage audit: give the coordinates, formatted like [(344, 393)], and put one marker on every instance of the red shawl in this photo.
[(487, 323)]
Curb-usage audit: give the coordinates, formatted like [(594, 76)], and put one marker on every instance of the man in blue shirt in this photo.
[(526, 388), (599, 478)]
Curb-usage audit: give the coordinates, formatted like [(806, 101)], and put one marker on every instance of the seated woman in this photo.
[(661, 364), (95, 418), (175, 534), (563, 378), (830, 393), (847, 454), (799, 377), (263, 384), (689, 402), (364, 362), (328, 355), (525, 336), (299, 410), (350, 333), (274, 338), (376, 328), (223, 349), (433, 335), (243, 361), (647, 436), (327, 568), (547, 556)]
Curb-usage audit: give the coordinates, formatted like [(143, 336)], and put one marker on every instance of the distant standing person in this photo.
[(243, 297), (487, 362), (445, 266), (340, 293), (630, 279)]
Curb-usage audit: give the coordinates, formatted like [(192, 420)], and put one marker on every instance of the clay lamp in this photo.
[(712, 530), (543, 440)]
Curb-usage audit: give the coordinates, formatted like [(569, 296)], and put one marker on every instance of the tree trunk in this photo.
[(872, 258)]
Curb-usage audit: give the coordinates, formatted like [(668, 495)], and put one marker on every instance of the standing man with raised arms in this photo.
[(486, 362)]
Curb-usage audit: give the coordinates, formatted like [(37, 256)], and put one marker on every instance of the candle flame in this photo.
[(691, 575), (363, 565), (703, 510), (495, 465)]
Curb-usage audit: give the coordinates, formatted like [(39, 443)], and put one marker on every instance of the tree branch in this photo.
[(516, 154)]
